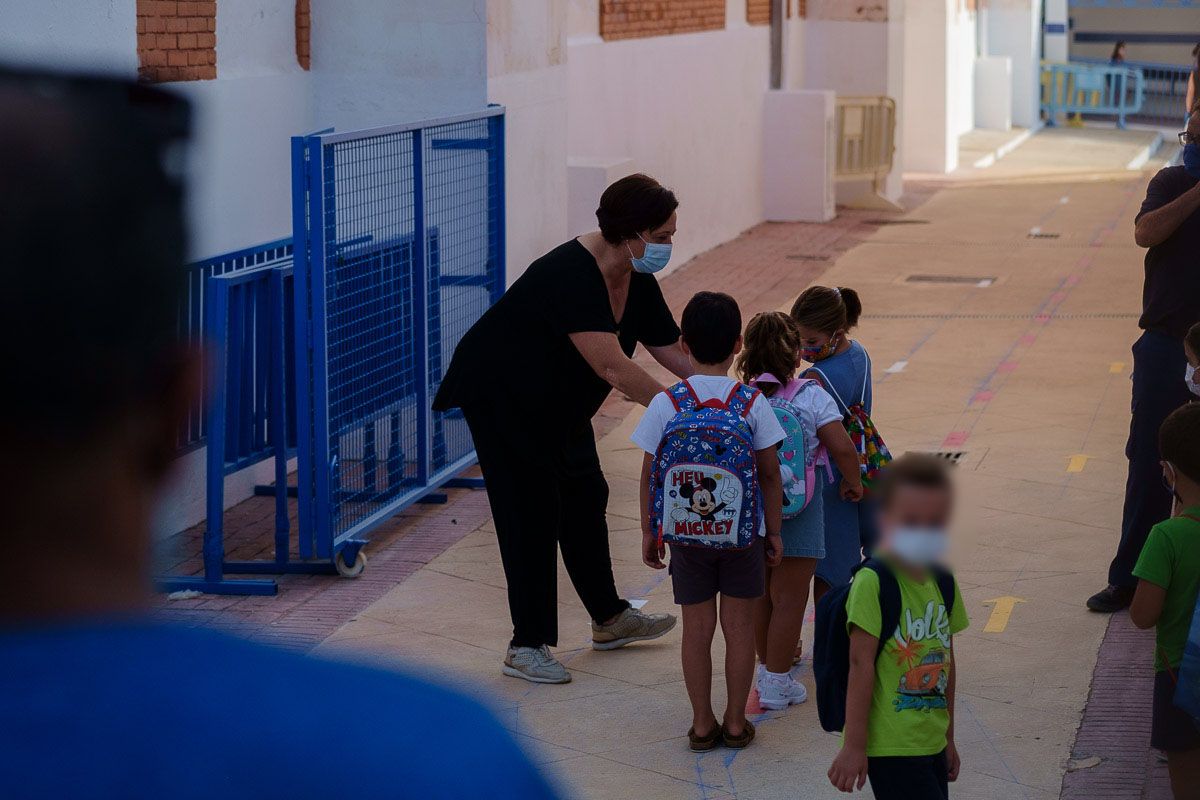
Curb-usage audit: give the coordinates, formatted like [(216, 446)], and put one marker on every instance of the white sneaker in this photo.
[(535, 664), (777, 692)]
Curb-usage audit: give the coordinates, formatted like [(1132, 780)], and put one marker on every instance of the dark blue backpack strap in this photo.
[(889, 600), (945, 582)]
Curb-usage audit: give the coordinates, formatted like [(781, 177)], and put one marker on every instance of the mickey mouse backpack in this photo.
[(798, 457), (704, 480)]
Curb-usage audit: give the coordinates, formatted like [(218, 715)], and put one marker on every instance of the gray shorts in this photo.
[(699, 573)]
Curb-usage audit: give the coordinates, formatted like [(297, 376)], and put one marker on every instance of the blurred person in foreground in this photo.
[(96, 698)]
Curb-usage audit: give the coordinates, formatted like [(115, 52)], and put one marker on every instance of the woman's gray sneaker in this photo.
[(631, 626), (535, 664)]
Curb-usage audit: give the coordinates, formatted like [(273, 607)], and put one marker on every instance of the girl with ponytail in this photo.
[(824, 317), (769, 361)]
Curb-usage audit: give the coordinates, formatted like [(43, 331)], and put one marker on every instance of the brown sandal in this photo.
[(739, 741), (702, 744)]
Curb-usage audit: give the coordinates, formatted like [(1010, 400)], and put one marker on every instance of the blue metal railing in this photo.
[(192, 316), (400, 248), (1165, 90), (246, 332), (1091, 89)]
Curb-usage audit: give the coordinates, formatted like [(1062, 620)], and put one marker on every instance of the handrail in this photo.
[(1090, 89)]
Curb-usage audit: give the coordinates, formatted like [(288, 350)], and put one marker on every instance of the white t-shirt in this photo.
[(766, 429), (817, 409)]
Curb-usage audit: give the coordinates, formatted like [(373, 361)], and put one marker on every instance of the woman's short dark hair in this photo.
[(1179, 440), (634, 204)]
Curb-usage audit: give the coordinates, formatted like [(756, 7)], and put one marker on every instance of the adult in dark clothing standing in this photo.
[(1168, 224), (529, 376)]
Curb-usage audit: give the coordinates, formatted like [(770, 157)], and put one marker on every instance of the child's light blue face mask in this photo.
[(653, 260)]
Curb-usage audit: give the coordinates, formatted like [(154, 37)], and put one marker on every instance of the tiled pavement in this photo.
[(772, 263), (1116, 723)]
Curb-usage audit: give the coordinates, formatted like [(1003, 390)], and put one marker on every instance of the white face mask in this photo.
[(1189, 377), (920, 547)]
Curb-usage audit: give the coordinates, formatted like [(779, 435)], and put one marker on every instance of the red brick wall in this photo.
[(176, 41), (303, 34), (758, 12), (632, 19)]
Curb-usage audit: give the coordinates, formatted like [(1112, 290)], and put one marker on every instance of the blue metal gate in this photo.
[(399, 248)]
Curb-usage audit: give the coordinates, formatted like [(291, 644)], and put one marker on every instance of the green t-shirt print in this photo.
[(908, 714), (1171, 559)]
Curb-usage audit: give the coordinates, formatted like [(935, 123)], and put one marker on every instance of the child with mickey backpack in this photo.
[(814, 435), (711, 490), (1168, 573)]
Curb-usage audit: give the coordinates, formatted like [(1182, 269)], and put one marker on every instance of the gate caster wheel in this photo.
[(351, 570)]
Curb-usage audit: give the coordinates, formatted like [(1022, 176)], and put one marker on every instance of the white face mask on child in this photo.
[(1189, 377), (920, 547)]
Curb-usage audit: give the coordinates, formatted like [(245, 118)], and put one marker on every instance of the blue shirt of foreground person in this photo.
[(96, 700)]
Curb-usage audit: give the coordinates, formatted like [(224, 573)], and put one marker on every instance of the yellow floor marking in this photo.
[(1076, 464), (1002, 608), (1116, 367)]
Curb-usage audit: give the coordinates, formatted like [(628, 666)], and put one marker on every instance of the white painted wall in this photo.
[(97, 35), (799, 152), (849, 57), (240, 192), (963, 47), (377, 62), (930, 141), (1056, 32), (993, 93), (860, 56), (1014, 30), (527, 73), (687, 109)]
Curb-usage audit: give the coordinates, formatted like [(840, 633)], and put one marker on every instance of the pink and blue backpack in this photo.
[(704, 482), (798, 457)]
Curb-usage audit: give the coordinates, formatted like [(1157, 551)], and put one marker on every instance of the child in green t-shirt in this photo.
[(1168, 573), (900, 706)]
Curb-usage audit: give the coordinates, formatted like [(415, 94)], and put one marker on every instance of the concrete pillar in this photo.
[(930, 141), (799, 149), (993, 93), (1057, 32), (858, 49), (1014, 30)]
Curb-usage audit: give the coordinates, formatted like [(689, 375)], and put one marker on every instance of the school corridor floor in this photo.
[(999, 316)]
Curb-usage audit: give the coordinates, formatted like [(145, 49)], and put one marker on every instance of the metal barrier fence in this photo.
[(1165, 92), (192, 314), (399, 237), (1092, 90), (399, 249), (866, 143), (247, 325)]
